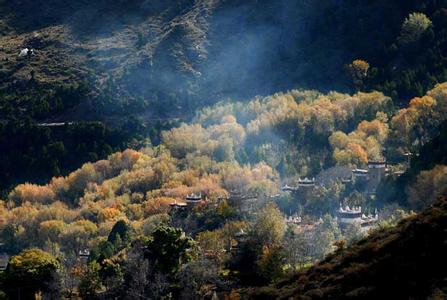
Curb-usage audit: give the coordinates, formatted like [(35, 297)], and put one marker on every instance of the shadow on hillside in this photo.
[(83, 16)]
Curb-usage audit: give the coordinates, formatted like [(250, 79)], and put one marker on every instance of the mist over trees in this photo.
[(123, 209), (146, 152), (131, 70)]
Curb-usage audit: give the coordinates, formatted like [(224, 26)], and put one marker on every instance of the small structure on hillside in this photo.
[(408, 156), (398, 173), (354, 215), (240, 238), (346, 180), (305, 227), (287, 188), (377, 171), (361, 174), (369, 221), (349, 215), (372, 176), (55, 124), (83, 255), (178, 205), (25, 52), (193, 199), (293, 219), (245, 203), (306, 183)]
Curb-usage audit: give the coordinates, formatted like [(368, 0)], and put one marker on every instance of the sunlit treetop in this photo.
[(413, 27)]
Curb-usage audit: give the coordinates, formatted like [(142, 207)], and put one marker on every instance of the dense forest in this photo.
[(156, 63), (218, 149), (134, 201)]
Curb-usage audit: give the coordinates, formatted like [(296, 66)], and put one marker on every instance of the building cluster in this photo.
[(344, 216), (191, 200), (376, 171), (293, 219), (302, 184), (370, 176), (354, 215)]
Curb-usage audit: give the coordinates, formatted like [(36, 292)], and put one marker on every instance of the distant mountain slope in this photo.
[(113, 49), (170, 56), (405, 262)]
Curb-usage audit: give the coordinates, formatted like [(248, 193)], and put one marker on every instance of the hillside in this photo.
[(136, 68), (212, 192), (186, 51), (223, 149), (398, 263)]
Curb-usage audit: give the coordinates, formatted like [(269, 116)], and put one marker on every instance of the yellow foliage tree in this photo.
[(32, 193), (359, 71)]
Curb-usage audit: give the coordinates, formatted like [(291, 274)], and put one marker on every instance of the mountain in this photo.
[(183, 51), (404, 262), (136, 67)]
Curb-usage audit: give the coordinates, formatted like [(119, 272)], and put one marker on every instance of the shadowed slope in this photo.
[(405, 262)]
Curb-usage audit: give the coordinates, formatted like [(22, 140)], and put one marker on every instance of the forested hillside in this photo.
[(234, 158), (219, 149), (156, 62)]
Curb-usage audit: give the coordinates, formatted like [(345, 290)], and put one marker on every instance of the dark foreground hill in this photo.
[(405, 262)]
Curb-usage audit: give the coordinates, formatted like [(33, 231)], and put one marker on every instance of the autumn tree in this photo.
[(353, 232), (326, 234), (358, 70), (270, 263), (77, 235), (212, 244), (265, 240), (269, 226), (299, 249), (141, 279), (361, 145), (51, 230), (32, 193)]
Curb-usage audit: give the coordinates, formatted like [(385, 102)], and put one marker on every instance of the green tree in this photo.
[(119, 231), (265, 240), (413, 27), (31, 271), (169, 249), (90, 282)]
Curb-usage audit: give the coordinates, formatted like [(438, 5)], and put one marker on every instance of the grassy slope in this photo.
[(405, 262), (96, 50)]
